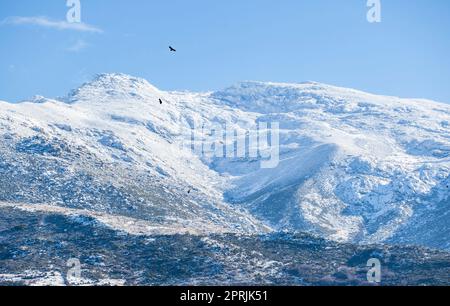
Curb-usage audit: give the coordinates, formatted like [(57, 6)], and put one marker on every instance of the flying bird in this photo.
[(160, 101), (172, 49)]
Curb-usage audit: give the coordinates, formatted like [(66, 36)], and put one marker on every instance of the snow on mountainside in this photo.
[(110, 152), (353, 166), (367, 168)]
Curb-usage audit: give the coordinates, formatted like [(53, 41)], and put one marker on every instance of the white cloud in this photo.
[(53, 24), (78, 46)]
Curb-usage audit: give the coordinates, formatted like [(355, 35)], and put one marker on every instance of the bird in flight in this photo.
[(160, 101), (172, 49)]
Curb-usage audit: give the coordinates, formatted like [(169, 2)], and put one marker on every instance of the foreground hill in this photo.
[(35, 248)]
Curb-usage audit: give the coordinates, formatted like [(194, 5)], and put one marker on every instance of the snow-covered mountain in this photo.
[(354, 167)]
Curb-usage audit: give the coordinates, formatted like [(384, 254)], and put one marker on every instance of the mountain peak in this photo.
[(270, 97), (112, 86), (118, 78), (260, 88), (38, 99)]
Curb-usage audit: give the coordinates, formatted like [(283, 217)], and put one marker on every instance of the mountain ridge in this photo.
[(354, 167)]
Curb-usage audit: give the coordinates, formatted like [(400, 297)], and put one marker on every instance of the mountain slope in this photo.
[(354, 167), (35, 248), (90, 155)]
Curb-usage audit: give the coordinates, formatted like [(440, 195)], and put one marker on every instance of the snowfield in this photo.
[(354, 167)]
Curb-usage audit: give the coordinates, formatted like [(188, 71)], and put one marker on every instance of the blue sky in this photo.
[(221, 42)]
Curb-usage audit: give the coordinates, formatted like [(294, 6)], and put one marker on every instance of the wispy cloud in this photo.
[(53, 24), (78, 46)]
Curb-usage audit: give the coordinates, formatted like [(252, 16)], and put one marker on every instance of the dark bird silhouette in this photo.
[(172, 49), (189, 191), (160, 101)]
